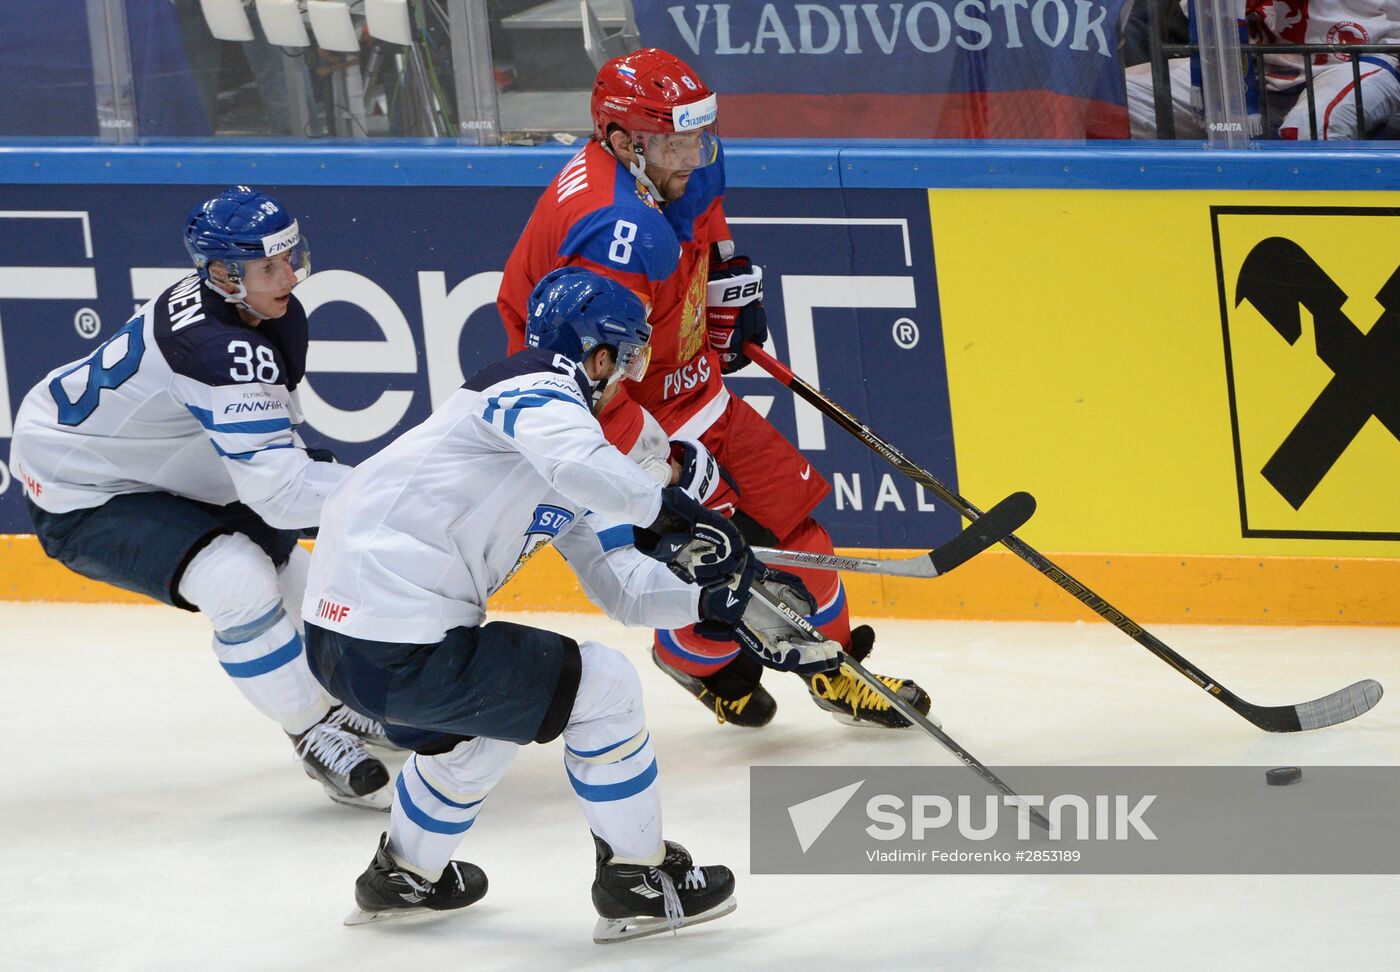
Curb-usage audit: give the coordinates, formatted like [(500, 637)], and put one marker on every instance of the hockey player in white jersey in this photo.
[(413, 543), (168, 463)]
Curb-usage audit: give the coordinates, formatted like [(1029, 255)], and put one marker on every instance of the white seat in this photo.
[(227, 19), (282, 24), (388, 21), (331, 23)]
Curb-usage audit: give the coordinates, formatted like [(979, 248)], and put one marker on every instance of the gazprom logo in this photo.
[(690, 117)]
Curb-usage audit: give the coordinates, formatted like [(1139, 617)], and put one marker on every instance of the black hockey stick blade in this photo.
[(991, 527)]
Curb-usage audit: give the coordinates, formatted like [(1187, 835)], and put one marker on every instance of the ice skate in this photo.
[(385, 890), (337, 759), (370, 732), (636, 900), (854, 704), (732, 693)]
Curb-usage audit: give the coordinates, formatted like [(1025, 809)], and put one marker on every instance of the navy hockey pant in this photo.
[(503, 681)]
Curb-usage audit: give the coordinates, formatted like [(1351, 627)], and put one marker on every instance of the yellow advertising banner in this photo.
[(1178, 373)]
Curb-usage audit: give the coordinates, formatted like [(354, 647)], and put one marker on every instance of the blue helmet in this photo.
[(573, 311), (239, 225)]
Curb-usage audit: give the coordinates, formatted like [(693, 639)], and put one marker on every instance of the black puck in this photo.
[(1283, 775)]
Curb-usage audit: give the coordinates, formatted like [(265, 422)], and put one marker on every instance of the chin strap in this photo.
[(597, 388), (600, 387), (238, 299), (638, 169)]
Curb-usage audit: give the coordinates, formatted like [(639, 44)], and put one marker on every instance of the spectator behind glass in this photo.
[(218, 82), (1295, 22)]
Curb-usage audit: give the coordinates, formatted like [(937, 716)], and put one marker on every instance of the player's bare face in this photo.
[(670, 183), (670, 158), (670, 161), (268, 283)]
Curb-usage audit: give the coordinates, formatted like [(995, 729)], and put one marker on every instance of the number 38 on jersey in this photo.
[(251, 363)]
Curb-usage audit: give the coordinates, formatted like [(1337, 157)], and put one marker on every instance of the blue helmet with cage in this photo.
[(574, 311), (241, 225)]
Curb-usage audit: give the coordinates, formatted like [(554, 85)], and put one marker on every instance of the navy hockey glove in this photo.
[(722, 607), (734, 311), (722, 603), (699, 545)]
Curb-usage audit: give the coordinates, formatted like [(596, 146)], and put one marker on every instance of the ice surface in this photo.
[(153, 820)]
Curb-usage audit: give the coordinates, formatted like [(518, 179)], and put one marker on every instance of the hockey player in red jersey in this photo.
[(642, 203)]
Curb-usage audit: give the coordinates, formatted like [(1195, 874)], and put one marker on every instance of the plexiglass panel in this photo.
[(486, 71)]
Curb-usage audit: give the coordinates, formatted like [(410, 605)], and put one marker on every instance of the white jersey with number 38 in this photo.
[(184, 399)]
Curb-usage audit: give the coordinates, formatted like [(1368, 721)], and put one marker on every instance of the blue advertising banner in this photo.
[(46, 76), (402, 308), (936, 68)]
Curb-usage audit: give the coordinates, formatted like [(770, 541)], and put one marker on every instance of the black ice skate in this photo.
[(635, 900), (337, 759), (387, 891), (370, 732), (850, 702), (732, 693)]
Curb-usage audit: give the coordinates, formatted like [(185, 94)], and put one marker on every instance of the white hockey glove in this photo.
[(734, 311), (703, 477), (729, 612)]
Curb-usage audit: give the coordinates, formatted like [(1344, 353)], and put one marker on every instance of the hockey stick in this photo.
[(993, 526), (1340, 706), (857, 671)]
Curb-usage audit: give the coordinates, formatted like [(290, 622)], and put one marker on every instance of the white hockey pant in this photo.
[(256, 639)]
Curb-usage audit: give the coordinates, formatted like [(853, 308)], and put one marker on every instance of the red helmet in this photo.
[(652, 92)]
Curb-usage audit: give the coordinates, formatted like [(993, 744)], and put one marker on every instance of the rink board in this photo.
[(995, 586), (1060, 321)]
